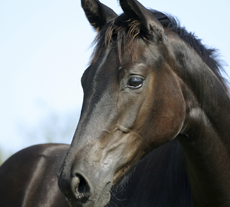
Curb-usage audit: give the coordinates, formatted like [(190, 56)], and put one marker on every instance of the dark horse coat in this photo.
[(154, 127)]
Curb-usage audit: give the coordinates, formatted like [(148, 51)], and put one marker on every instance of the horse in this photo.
[(154, 126)]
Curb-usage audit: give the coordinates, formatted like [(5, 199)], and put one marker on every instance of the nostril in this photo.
[(80, 188)]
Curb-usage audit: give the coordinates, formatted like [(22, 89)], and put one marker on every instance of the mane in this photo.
[(209, 55), (125, 31)]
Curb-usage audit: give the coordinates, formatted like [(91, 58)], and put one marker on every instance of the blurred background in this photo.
[(44, 49)]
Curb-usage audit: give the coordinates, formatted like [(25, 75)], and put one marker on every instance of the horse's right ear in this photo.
[(97, 13)]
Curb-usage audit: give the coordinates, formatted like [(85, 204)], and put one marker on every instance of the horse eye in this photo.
[(135, 82)]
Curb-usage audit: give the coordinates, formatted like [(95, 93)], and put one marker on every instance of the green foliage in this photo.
[(1, 158), (4, 155)]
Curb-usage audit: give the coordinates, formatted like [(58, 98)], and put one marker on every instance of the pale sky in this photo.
[(45, 47)]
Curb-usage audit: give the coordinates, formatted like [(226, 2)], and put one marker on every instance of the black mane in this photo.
[(127, 30)]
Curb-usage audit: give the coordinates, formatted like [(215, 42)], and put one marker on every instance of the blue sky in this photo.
[(45, 47)]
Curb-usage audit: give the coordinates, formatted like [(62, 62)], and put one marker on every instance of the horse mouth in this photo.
[(105, 196)]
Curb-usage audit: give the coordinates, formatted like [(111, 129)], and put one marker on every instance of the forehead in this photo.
[(118, 54), (124, 35)]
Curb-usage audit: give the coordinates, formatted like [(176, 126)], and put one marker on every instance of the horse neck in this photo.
[(206, 130)]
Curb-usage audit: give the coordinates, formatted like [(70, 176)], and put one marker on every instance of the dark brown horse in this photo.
[(156, 111)]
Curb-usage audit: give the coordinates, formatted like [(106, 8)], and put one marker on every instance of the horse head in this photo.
[(133, 102)]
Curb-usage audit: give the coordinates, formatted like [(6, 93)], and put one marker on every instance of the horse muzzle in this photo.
[(83, 190)]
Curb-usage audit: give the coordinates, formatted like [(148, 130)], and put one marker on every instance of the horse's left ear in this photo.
[(97, 13), (135, 10)]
